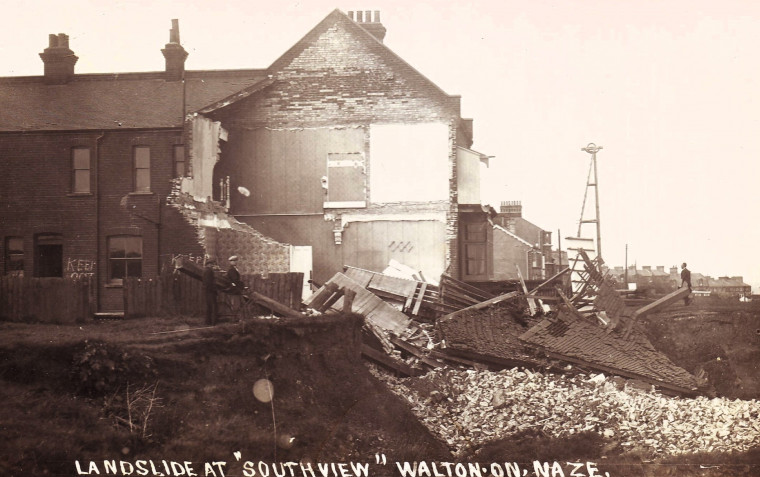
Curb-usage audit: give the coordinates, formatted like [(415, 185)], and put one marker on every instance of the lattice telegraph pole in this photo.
[(592, 149)]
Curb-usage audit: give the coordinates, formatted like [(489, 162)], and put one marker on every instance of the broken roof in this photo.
[(582, 341), (114, 101)]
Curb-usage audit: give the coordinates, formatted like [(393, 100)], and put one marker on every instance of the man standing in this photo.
[(209, 291), (686, 279), (233, 275)]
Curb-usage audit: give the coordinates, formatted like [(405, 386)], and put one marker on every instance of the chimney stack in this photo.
[(369, 22), (511, 208), (174, 54), (59, 60)]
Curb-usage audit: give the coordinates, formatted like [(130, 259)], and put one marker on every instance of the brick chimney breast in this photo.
[(59, 60), (174, 54), (369, 22)]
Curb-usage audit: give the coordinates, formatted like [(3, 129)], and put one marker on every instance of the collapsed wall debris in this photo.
[(593, 329)]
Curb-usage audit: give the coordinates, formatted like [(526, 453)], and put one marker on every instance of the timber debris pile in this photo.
[(477, 366), (413, 326)]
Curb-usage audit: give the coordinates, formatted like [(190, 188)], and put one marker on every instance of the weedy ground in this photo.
[(171, 388)]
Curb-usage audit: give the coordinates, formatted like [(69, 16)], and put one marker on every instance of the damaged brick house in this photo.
[(88, 162), (324, 150), (330, 149)]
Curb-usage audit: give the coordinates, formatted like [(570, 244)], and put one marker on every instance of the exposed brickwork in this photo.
[(221, 236), (338, 77)]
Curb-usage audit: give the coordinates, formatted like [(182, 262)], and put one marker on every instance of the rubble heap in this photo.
[(467, 408)]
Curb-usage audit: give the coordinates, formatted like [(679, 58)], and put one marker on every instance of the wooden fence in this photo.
[(46, 300), (181, 294)]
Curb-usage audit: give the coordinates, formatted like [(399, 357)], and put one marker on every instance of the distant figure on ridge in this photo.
[(686, 278)]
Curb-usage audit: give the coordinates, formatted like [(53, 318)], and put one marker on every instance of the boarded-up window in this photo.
[(80, 165), (124, 258), (346, 179), (142, 169)]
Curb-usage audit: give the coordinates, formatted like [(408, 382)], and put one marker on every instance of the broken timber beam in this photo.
[(483, 304), (531, 301), (382, 358), (411, 349), (548, 281), (655, 305), (273, 305)]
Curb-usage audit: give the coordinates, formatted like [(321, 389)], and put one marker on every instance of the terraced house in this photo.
[(317, 157)]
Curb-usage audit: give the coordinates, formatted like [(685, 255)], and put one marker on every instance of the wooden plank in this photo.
[(348, 300), (484, 304), (359, 275), (456, 359), (549, 280), (333, 299), (382, 358), (274, 305), (411, 349), (420, 295), (378, 312), (531, 302), (662, 302), (471, 290)]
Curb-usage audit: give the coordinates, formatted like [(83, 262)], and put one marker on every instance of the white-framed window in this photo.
[(80, 170), (141, 176), (124, 257)]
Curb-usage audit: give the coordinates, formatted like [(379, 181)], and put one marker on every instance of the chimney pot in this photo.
[(351, 15), (58, 59), (174, 54), (367, 16)]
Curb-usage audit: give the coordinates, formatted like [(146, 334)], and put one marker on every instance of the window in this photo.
[(180, 168), (48, 255), (345, 180), (142, 169), (475, 249), (14, 256), (124, 258), (80, 166)]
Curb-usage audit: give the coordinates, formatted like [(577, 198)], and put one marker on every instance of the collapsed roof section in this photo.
[(593, 329)]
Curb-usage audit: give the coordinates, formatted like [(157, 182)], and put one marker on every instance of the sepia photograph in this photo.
[(393, 239)]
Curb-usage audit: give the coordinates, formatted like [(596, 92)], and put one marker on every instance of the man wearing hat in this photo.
[(233, 275)]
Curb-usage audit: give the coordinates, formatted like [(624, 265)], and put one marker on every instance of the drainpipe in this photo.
[(97, 220)]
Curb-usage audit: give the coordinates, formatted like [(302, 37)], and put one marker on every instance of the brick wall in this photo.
[(342, 80), (36, 197)]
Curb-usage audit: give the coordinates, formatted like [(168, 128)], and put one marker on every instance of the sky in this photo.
[(668, 88)]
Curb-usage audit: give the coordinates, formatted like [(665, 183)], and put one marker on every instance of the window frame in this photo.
[(125, 260), (11, 257), (75, 169), (177, 162), (137, 178)]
